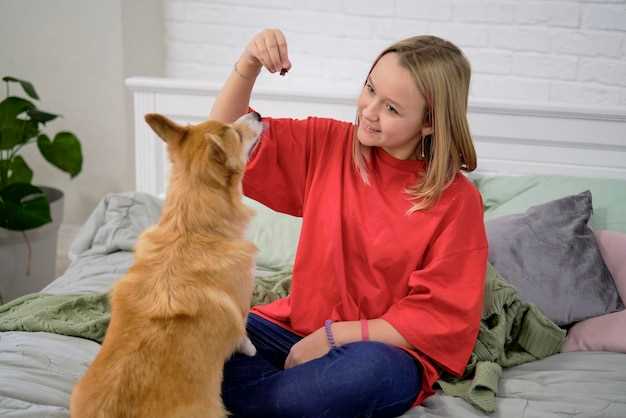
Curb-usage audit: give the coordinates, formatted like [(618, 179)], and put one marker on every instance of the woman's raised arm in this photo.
[(268, 49)]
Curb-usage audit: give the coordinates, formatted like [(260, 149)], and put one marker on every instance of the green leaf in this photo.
[(26, 85), (13, 106), (18, 132), (19, 171), (15, 129), (64, 152), (40, 116), (22, 207)]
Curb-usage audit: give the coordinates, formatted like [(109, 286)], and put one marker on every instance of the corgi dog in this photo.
[(180, 311)]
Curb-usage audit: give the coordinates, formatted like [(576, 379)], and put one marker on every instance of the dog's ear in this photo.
[(221, 154), (168, 130)]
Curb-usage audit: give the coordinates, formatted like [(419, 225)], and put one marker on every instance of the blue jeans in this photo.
[(358, 380)]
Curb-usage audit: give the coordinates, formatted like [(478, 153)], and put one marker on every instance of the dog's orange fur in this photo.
[(179, 312)]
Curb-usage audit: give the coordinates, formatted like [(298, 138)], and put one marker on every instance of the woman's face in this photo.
[(391, 110)]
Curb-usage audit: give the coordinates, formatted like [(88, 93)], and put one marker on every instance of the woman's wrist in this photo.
[(377, 330), (346, 332), (247, 67)]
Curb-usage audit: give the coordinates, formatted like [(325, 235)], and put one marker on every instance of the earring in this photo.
[(423, 153)]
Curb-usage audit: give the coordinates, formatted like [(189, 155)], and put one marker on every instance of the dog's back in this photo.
[(179, 312)]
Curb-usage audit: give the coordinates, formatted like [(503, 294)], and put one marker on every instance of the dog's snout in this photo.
[(253, 123), (250, 117)]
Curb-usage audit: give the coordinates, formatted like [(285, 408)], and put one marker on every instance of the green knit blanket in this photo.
[(77, 315), (87, 315), (511, 333)]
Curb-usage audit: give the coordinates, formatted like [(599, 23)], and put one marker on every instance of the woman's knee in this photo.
[(384, 372), (370, 376)]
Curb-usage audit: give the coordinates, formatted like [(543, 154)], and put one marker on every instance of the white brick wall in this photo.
[(542, 51)]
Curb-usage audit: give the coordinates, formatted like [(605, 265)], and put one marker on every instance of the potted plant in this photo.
[(28, 225)]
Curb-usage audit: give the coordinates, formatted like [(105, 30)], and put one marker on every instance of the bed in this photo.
[(521, 152)]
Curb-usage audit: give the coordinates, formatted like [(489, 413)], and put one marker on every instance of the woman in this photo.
[(388, 278)]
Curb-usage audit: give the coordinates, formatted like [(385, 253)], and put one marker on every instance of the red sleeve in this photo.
[(279, 164), (441, 315)]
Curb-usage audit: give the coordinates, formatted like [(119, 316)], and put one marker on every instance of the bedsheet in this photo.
[(38, 370)]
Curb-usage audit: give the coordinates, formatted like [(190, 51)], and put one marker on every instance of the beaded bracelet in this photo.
[(329, 334)]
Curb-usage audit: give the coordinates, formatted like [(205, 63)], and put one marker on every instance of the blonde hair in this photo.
[(442, 75)]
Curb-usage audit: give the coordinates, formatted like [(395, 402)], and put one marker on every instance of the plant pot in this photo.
[(15, 280)]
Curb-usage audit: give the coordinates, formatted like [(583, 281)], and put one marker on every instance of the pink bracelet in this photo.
[(329, 334), (365, 332)]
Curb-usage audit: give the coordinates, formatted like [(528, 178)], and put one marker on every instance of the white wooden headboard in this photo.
[(510, 138)]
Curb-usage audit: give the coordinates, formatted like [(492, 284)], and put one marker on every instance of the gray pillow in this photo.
[(550, 255)]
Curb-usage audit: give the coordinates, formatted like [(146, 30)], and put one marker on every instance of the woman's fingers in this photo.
[(262, 53), (273, 52), (269, 47), (285, 64)]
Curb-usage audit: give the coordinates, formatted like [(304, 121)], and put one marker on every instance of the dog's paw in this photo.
[(246, 347)]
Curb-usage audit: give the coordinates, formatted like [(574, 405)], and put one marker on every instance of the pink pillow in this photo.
[(613, 249), (604, 332)]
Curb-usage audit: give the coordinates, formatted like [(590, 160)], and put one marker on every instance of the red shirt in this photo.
[(360, 255)]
